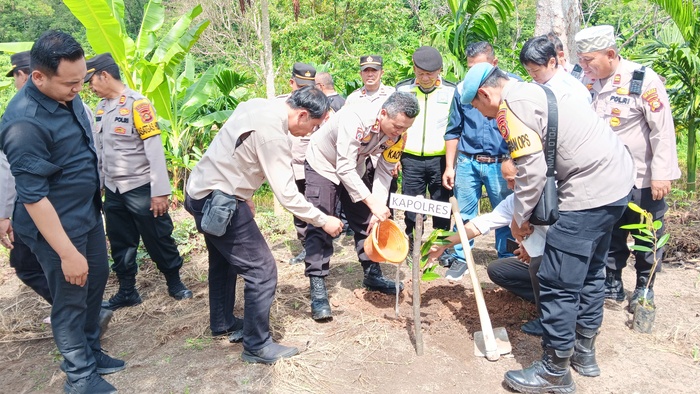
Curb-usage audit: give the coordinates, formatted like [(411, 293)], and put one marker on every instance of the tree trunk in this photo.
[(267, 49), (561, 17)]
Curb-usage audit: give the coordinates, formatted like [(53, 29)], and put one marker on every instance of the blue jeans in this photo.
[(469, 178)]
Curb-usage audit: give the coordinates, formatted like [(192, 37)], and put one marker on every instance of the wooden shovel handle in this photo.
[(492, 353)]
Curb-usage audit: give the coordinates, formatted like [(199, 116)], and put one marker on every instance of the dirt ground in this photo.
[(364, 349)]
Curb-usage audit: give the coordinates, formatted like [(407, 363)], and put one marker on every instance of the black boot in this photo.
[(300, 258), (320, 308), (583, 361), (613, 285), (176, 288), (126, 296), (375, 281), (639, 293), (549, 375)]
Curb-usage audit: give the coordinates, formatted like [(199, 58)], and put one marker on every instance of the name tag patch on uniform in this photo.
[(620, 100), (521, 140), (442, 98), (145, 119), (121, 119), (652, 98), (122, 100), (124, 111), (120, 130)]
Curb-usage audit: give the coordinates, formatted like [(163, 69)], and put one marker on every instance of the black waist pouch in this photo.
[(218, 212)]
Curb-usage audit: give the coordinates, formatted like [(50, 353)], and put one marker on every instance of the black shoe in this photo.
[(122, 299), (105, 365), (446, 259), (549, 375), (375, 281), (320, 308), (583, 361), (93, 384), (234, 331), (533, 327), (639, 293), (179, 291), (298, 258), (269, 354), (104, 319), (614, 290)]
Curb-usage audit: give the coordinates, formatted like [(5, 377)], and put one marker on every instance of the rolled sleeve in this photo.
[(662, 136), (26, 146), (454, 121)]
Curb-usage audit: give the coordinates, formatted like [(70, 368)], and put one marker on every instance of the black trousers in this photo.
[(572, 273), (128, 216), (325, 195), (517, 277), (243, 251), (299, 224), (75, 310), (619, 251), (421, 173), (28, 269)]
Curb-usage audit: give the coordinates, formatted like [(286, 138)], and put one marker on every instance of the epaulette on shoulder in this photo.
[(408, 81)]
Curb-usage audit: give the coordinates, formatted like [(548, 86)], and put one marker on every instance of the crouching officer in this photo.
[(136, 183), (632, 99), (252, 146), (594, 174), (335, 167)]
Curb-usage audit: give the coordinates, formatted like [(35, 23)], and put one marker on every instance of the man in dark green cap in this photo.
[(20, 68)]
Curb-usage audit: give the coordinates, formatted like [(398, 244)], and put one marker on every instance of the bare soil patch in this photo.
[(364, 349)]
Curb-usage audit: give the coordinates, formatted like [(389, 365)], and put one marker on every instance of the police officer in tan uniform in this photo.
[(252, 146), (632, 99), (302, 75), (336, 162), (136, 183), (372, 90), (594, 174)]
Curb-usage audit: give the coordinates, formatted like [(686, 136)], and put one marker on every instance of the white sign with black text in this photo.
[(420, 205)]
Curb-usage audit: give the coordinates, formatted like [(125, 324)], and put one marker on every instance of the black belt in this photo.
[(486, 158)]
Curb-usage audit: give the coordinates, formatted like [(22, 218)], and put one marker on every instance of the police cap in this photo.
[(19, 60), (371, 61), (98, 63), (304, 74)]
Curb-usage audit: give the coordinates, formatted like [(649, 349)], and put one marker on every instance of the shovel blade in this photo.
[(502, 342)]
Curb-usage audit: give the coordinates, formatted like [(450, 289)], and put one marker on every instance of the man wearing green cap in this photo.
[(136, 183), (423, 160), (632, 99), (594, 174)]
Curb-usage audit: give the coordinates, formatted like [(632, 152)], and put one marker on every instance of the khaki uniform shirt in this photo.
[(593, 167), (643, 122), (339, 149), (264, 154), (299, 145), (129, 146), (376, 99)]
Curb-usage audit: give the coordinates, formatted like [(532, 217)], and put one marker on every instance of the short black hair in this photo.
[(558, 45), (311, 99), (401, 102), (481, 48), (538, 50), (113, 71), (52, 47)]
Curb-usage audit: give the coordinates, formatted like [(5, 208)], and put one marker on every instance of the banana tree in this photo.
[(676, 55), (469, 21)]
